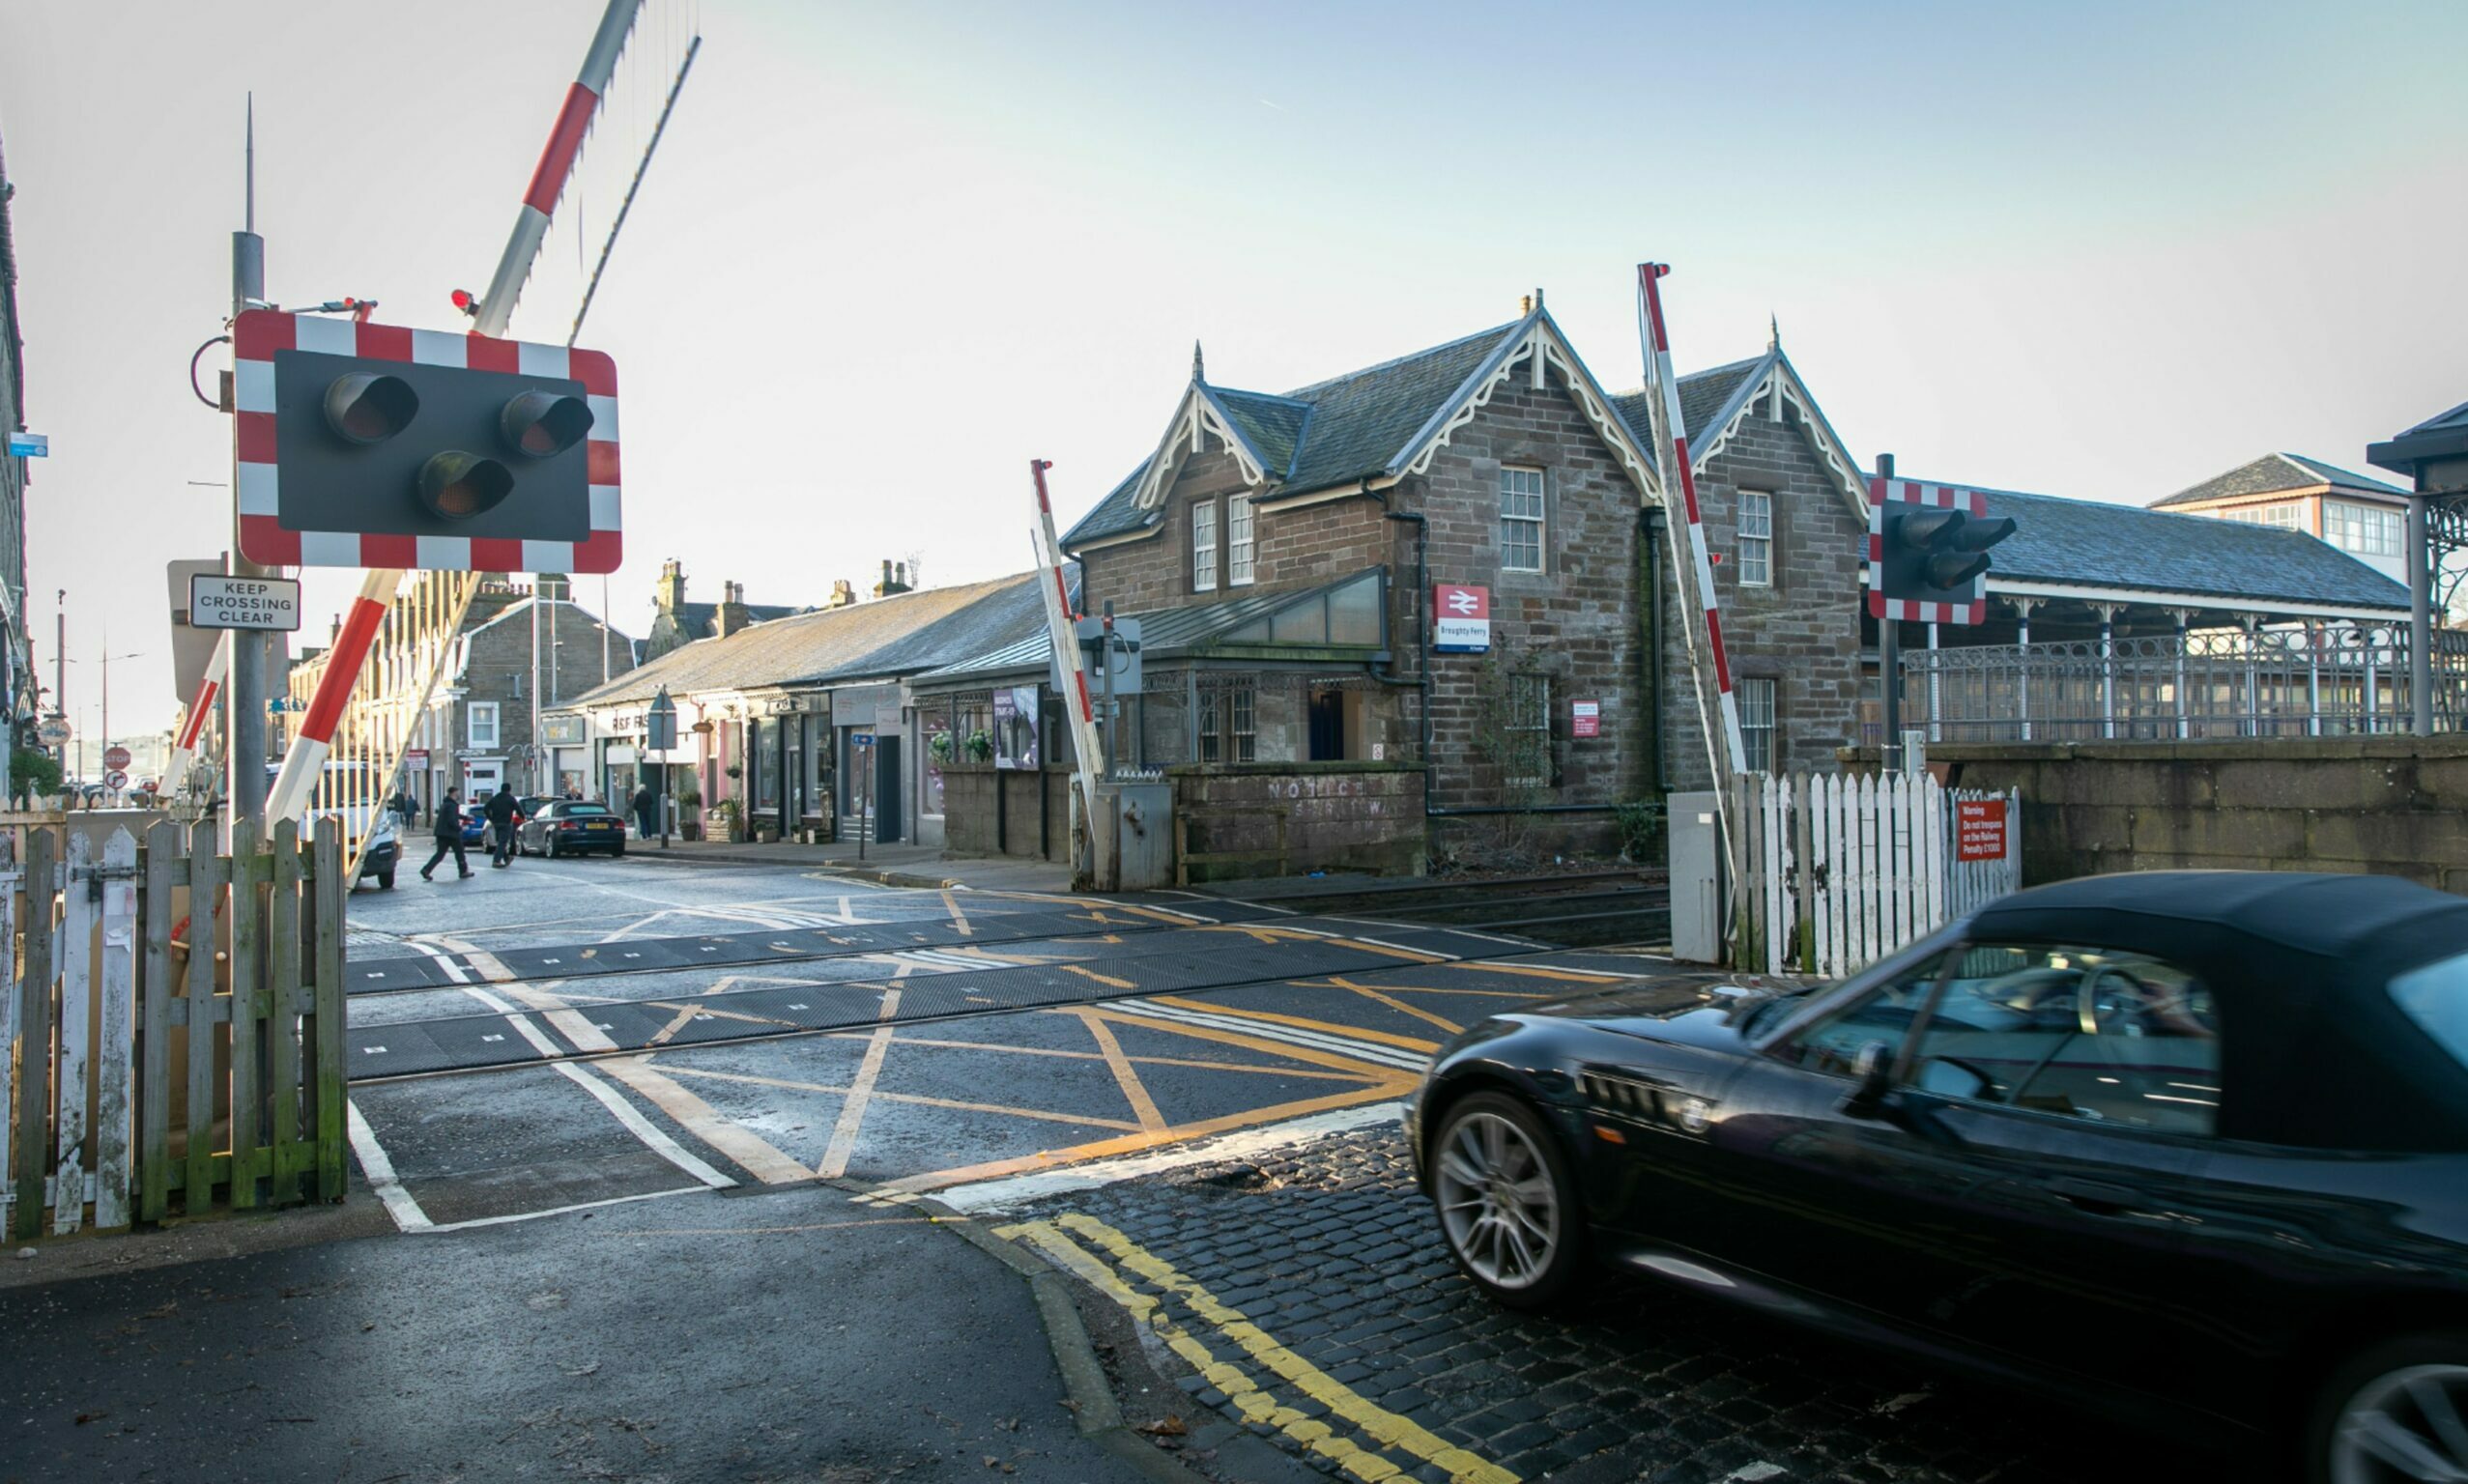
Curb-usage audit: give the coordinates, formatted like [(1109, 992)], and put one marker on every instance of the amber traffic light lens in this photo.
[(456, 485), (366, 408), (542, 424)]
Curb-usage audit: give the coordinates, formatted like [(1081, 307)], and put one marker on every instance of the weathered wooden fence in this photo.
[(1880, 868), (174, 1025)]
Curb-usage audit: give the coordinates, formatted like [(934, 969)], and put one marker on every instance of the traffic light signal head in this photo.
[(1928, 551), (376, 447)]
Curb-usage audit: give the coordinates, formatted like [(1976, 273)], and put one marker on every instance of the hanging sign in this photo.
[(1979, 829), (1461, 619)]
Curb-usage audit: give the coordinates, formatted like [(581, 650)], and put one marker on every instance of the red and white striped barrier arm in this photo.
[(1064, 636), (1677, 453), (306, 763), (556, 162), (184, 752)]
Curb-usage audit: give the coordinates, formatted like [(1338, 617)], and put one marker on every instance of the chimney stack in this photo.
[(732, 616), (894, 579), (843, 593)]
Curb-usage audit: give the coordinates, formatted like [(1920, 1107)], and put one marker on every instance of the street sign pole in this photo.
[(866, 796), (244, 694)]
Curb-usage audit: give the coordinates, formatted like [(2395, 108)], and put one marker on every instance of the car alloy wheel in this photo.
[(2410, 1422), (1503, 1202)]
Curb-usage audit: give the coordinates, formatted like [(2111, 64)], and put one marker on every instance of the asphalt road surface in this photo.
[(568, 1077)]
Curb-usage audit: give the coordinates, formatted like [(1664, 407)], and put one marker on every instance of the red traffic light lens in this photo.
[(365, 408), (542, 424), (456, 486)]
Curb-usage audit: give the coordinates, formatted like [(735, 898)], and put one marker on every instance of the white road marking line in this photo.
[(1360, 1050), (559, 1210), (861, 1092), (996, 1195), (642, 1128), (380, 1170), (707, 1123)]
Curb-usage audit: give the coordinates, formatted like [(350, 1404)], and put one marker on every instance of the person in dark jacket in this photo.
[(501, 823), (646, 817), (406, 807), (449, 837)]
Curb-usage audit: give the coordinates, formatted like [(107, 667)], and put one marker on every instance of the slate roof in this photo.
[(883, 637), (2272, 473), (1351, 426), (697, 619), (2090, 543), (1163, 633), (1708, 399)]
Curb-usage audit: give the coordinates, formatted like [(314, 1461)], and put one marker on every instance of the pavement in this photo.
[(790, 1336)]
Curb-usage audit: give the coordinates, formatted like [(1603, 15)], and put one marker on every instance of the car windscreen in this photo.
[(2435, 996)]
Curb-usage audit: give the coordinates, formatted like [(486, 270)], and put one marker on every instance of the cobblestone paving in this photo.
[(1332, 1254)]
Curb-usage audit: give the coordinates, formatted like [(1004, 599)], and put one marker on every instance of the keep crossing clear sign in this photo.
[(216, 601)]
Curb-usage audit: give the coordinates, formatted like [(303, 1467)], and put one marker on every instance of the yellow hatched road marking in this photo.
[(959, 919), (1538, 971), (861, 1091), (1394, 1086), (1300, 1022), (1135, 1092), (1107, 979), (1092, 1056), (1393, 1003), (1332, 1060), (759, 1158), (879, 1095)]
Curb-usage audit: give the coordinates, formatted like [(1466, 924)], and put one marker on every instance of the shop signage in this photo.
[(1585, 718), (1979, 829), (1016, 727), (1462, 618)]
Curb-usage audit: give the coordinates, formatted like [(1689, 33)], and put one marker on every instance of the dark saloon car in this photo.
[(571, 827), (2191, 1146)]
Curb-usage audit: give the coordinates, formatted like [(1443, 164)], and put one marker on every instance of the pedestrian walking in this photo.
[(646, 817), (449, 837), (501, 823), (406, 807)]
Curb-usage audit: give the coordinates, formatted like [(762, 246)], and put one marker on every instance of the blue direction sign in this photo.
[(861, 739)]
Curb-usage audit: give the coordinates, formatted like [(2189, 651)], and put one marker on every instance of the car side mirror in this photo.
[(1872, 1063)]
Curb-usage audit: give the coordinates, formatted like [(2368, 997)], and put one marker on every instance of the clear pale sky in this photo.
[(888, 254)]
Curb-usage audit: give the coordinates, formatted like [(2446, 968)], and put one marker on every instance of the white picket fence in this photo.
[(1882, 868)]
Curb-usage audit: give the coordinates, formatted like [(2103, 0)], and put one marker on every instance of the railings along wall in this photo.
[(1832, 872), (2324, 681), (173, 1035), (416, 643)]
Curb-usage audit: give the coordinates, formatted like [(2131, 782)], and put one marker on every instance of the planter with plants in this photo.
[(690, 814)]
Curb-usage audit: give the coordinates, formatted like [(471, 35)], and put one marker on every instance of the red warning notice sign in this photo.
[(1979, 829)]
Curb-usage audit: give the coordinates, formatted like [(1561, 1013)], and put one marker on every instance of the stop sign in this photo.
[(114, 757)]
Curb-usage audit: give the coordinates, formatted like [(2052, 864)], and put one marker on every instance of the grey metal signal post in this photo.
[(659, 736), (862, 743)]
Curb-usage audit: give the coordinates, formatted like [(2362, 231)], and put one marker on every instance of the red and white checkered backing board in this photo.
[(260, 333), (1971, 502)]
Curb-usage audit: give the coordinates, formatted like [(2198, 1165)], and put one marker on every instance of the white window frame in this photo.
[(1760, 701), (1756, 539), (1204, 546), (1523, 522), (1241, 545), (2286, 515), (477, 710), (2361, 529)]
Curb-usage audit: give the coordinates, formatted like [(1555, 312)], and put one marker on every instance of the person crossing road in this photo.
[(449, 833), (500, 824)]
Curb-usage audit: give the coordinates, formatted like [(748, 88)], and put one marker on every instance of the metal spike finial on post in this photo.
[(1774, 330), (1199, 366)]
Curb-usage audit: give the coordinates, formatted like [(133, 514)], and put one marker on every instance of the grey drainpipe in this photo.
[(1422, 636)]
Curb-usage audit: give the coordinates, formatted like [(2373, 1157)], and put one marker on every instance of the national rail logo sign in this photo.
[(1461, 619)]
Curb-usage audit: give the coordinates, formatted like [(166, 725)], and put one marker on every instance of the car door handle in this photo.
[(2098, 1197)]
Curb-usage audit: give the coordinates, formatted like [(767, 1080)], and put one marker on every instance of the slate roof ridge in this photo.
[(1258, 396), (1299, 393), (1685, 377), (2340, 478)]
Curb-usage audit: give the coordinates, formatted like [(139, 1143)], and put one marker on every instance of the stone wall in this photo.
[(2391, 806), (1234, 820), (1804, 631), (969, 827)]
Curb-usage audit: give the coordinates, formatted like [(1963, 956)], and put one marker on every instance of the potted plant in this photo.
[(941, 747), (690, 812), (980, 747), (732, 817)]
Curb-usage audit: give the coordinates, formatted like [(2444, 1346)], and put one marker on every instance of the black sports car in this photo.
[(2192, 1146), (570, 827)]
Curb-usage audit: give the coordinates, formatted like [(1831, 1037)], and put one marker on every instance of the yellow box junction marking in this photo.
[(760, 1158), (861, 1092), (1383, 1427), (1107, 979), (1135, 1092), (1395, 1004), (1298, 1022), (959, 919)]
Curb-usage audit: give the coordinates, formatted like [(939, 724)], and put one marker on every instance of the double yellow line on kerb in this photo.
[(1383, 1428)]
